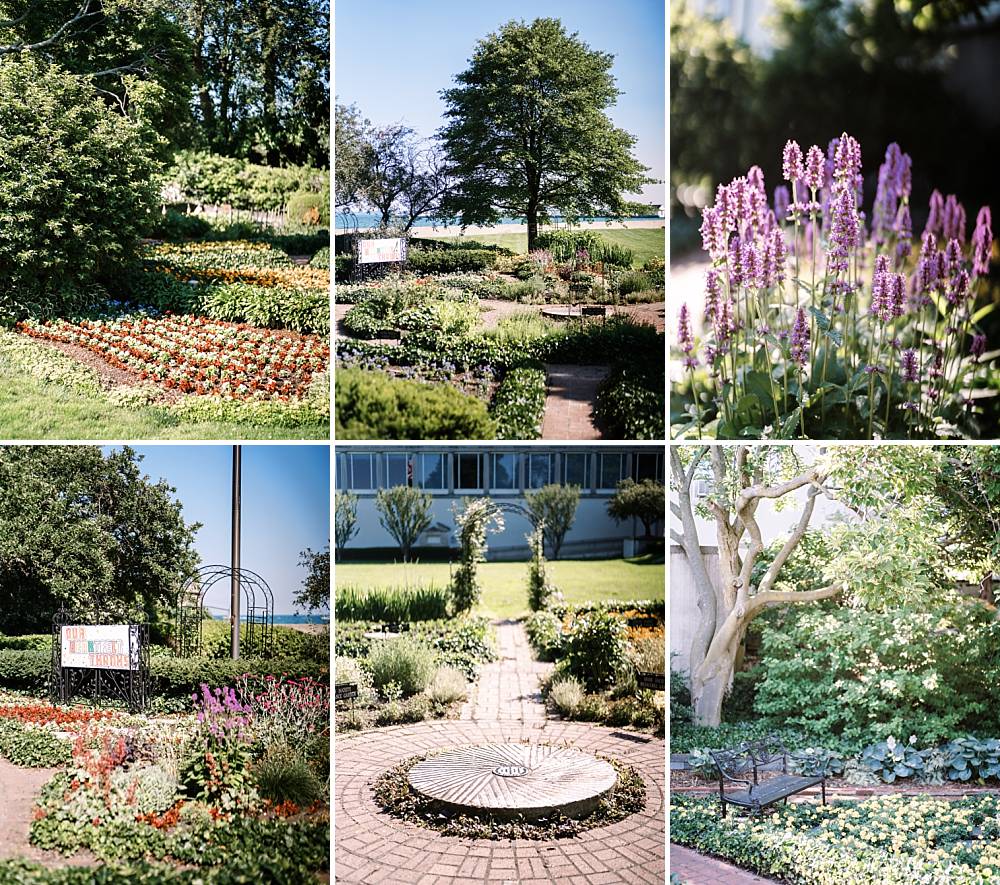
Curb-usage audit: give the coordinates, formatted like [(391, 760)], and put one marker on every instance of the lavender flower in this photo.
[(775, 256), (685, 339), (936, 215), (903, 228), (952, 258), (927, 267), (781, 200), (982, 242), (791, 165), (713, 292), (909, 365), (960, 287), (978, 347), (799, 344), (953, 219), (714, 236), (725, 322), (897, 296), (815, 168), (881, 304), (847, 161), (843, 231)]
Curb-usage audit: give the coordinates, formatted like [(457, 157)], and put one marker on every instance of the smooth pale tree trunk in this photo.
[(726, 607)]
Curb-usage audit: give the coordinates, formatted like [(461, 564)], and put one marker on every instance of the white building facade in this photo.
[(452, 473)]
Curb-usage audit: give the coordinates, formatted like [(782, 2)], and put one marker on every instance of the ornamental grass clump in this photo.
[(821, 320)]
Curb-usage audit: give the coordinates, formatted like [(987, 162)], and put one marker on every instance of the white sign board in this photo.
[(377, 251), (100, 647)]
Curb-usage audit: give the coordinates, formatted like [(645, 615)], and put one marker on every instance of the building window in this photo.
[(611, 471), (398, 471), (647, 465), (504, 471), (539, 470), (467, 472), (429, 472), (576, 469), (356, 472)]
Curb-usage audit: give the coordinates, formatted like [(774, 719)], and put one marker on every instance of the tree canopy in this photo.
[(528, 131), (86, 530)]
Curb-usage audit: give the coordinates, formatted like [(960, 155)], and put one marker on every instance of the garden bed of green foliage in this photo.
[(888, 840), (448, 378), (393, 793), (423, 674)]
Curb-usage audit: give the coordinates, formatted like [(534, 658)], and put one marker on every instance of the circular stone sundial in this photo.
[(510, 780)]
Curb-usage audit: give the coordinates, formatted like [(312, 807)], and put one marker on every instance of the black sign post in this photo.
[(346, 691), (651, 681)]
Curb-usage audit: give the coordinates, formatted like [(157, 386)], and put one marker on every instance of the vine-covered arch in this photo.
[(256, 611)]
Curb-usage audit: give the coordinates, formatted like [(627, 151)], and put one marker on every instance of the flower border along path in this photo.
[(698, 869)]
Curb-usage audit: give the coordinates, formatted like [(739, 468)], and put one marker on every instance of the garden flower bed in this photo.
[(888, 840), (436, 336)]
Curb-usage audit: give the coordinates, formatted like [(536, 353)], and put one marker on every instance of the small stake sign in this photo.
[(651, 681), (345, 691)]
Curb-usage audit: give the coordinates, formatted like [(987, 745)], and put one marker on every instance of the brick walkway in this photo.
[(372, 847), (508, 688), (697, 869), (570, 402)]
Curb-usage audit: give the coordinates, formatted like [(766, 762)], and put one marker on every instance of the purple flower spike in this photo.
[(714, 236), (897, 294), (791, 165), (799, 344), (782, 197), (935, 217), (847, 160), (978, 347), (903, 228), (982, 243), (815, 168), (953, 219), (909, 365), (881, 305), (685, 339)]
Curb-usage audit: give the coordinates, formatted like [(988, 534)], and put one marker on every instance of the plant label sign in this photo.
[(100, 647), (382, 251), (651, 681), (345, 691)]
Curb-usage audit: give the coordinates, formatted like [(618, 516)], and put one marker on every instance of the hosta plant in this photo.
[(970, 758), (890, 759), (816, 762), (823, 319)]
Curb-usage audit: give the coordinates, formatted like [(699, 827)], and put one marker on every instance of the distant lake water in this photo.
[(291, 619), (366, 220)]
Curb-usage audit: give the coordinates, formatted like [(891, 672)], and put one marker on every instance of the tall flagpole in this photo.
[(234, 597)]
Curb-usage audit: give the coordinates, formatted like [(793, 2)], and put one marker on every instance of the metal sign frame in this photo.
[(101, 685)]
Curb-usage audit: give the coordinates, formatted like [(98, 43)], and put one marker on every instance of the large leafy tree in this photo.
[(528, 130), (86, 530), (553, 509), (315, 591)]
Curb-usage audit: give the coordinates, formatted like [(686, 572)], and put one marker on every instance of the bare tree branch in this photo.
[(82, 14)]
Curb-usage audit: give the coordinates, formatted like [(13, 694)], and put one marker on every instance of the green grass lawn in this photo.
[(35, 409), (645, 243), (505, 584)]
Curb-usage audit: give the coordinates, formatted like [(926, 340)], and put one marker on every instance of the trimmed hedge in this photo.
[(25, 670), (450, 260), (34, 641), (519, 403), (371, 405)]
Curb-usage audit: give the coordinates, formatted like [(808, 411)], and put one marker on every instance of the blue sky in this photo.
[(286, 507), (392, 58)]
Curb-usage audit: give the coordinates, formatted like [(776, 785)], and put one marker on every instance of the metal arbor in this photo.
[(257, 622)]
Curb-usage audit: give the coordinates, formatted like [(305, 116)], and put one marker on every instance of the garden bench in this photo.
[(748, 759)]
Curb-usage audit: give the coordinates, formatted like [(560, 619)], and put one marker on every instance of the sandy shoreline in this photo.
[(481, 230)]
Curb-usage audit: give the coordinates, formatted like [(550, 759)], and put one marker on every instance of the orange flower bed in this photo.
[(43, 714)]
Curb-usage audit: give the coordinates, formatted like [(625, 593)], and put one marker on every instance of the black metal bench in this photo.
[(748, 759)]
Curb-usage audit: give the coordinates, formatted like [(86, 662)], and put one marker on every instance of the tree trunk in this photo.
[(707, 698)]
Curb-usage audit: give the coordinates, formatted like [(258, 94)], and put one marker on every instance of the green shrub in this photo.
[(177, 677), (680, 704), (597, 650), (634, 281), (544, 631), (631, 401), (282, 775), (970, 758), (343, 269), (321, 258), (395, 604), (174, 225), (268, 307), (810, 662), (77, 187), (540, 591), (309, 209), (450, 261), (405, 662), (26, 669), (27, 641), (371, 405), (350, 670), (519, 403)]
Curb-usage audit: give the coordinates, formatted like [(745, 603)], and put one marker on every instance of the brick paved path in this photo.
[(570, 402), (508, 688), (697, 869), (372, 847)]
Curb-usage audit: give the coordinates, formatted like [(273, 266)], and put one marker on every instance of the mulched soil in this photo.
[(393, 794)]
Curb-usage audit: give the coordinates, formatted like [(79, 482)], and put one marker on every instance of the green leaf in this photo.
[(822, 320)]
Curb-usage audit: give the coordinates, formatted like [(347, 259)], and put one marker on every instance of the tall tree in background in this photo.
[(87, 530), (350, 149), (315, 592), (529, 131)]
